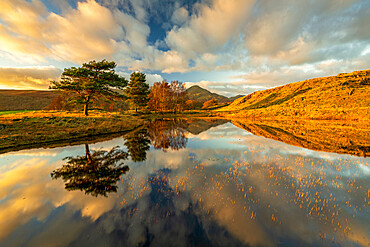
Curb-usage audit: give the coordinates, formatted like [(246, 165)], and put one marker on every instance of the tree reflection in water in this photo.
[(137, 144), (168, 134), (95, 173)]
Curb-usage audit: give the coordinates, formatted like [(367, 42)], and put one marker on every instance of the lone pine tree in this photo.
[(90, 81)]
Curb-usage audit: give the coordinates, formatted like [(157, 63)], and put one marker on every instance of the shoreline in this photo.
[(48, 129)]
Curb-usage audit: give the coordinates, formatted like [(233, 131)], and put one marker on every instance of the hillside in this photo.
[(345, 96), (200, 94), (13, 100)]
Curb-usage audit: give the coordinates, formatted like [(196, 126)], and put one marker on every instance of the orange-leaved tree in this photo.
[(209, 103), (166, 96)]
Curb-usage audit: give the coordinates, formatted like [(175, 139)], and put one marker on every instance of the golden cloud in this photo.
[(28, 78)]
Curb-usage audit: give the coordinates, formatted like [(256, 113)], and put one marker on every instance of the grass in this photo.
[(37, 127), (13, 112), (26, 129)]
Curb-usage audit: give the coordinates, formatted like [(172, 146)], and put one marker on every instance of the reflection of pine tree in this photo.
[(137, 144), (96, 173), (166, 134)]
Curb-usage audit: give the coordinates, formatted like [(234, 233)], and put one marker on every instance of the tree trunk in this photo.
[(86, 105), (86, 108), (88, 154)]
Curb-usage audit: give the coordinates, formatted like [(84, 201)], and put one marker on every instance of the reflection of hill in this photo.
[(197, 126), (171, 133), (330, 136)]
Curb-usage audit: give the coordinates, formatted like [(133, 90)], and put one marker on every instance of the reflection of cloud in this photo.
[(248, 191), (28, 192), (226, 130), (223, 192), (36, 152)]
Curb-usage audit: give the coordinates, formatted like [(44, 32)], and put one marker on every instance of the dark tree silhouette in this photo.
[(137, 143), (95, 173)]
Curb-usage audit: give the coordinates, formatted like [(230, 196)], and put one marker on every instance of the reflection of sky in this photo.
[(226, 187)]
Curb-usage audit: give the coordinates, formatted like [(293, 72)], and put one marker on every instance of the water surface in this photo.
[(184, 183)]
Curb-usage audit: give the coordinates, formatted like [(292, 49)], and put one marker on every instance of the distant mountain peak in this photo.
[(198, 93)]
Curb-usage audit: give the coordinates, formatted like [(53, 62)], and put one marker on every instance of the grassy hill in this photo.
[(200, 94), (13, 100), (345, 96)]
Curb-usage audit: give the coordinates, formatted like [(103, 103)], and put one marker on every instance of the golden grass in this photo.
[(27, 128), (345, 96)]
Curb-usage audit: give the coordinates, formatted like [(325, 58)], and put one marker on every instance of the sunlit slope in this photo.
[(335, 97), (12, 100), (345, 137), (201, 94)]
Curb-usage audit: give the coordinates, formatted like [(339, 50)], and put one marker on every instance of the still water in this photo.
[(184, 183)]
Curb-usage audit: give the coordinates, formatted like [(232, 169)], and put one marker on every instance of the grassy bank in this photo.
[(40, 127), (14, 112), (33, 129)]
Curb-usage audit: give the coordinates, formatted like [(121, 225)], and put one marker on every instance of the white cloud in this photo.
[(86, 33), (211, 28), (180, 16)]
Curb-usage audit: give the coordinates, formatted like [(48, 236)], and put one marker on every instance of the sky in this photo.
[(226, 46)]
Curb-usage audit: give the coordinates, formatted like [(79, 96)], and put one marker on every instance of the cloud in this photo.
[(90, 23), (211, 28), (273, 34), (180, 16), (278, 76), (28, 78), (82, 34), (300, 33), (237, 36), (34, 50)]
